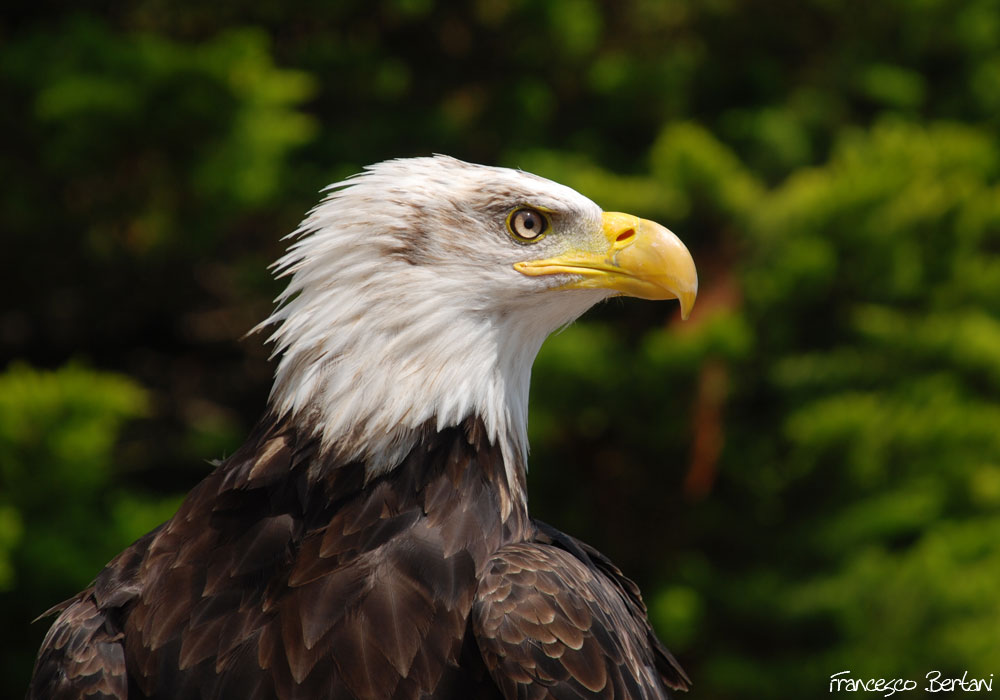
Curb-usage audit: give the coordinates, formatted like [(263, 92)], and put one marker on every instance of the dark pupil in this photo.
[(528, 221)]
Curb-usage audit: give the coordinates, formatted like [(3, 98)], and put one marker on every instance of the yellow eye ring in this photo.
[(528, 225)]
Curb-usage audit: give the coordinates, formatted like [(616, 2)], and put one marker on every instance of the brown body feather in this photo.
[(276, 579)]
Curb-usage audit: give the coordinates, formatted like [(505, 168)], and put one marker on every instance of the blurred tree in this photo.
[(883, 267), (143, 163)]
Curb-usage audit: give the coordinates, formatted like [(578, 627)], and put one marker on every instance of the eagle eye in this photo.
[(527, 225)]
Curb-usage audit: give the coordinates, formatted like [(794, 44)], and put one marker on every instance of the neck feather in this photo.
[(366, 378)]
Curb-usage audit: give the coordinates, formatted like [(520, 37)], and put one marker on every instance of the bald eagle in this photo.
[(371, 538)]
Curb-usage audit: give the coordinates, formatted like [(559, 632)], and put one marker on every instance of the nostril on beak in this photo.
[(625, 236)]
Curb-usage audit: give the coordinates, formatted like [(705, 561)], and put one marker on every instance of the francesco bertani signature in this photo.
[(934, 682)]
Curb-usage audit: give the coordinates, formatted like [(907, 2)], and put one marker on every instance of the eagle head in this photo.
[(420, 291)]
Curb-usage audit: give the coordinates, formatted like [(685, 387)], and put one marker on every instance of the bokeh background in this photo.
[(804, 477)]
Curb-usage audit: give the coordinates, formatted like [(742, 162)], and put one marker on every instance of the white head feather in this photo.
[(403, 307)]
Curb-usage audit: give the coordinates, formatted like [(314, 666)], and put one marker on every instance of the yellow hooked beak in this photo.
[(642, 259)]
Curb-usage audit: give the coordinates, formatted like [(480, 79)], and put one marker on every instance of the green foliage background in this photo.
[(804, 478)]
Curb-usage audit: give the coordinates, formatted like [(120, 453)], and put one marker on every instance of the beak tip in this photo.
[(686, 300)]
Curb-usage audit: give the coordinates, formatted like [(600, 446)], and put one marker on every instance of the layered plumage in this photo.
[(371, 538)]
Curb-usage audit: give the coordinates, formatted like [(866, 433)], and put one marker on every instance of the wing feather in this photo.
[(81, 656), (554, 624), (671, 673)]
